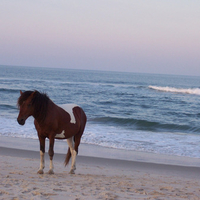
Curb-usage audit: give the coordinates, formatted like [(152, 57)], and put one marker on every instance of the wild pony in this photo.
[(53, 122)]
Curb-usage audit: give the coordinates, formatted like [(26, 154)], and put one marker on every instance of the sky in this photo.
[(144, 36)]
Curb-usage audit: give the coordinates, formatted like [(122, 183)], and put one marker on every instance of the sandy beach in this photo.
[(95, 178)]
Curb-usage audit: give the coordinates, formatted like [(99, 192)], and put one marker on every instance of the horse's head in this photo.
[(25, 104)]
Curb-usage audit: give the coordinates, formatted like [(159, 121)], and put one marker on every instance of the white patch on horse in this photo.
[(61, 135), (69, 109)]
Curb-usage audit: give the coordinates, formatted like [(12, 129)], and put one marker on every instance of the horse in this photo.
[(53, 122)]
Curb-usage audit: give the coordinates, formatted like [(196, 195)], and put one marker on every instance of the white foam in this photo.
[(195, 91), (10, 127), (144, 141)]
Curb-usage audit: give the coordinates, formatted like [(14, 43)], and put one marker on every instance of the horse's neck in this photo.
[(42, 117)]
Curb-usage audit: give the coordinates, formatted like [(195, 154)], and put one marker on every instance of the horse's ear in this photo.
[(21, 92), (33, 94)]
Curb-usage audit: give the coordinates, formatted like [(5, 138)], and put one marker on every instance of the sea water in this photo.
[(131, 111)]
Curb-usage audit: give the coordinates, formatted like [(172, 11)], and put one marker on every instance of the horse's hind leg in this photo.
[(73, 153)]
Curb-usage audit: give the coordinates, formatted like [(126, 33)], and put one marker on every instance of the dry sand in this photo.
[(95, 178)]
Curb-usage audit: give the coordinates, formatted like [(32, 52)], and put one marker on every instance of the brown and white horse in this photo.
[(53, 122)]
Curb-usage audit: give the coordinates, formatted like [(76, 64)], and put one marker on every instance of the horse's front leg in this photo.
[(51, 154), (42, 152)]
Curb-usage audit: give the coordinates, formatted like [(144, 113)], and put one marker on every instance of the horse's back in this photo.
[(69, 109)]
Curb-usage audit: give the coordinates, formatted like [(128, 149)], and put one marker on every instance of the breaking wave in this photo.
[(195, 91)]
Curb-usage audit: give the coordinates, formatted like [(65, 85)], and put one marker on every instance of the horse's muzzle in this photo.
[(21, 121)]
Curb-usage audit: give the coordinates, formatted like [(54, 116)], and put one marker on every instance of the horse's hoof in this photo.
[(51, 171), (40, 171), (71, 171)]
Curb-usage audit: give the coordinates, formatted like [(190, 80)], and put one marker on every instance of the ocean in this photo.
[(136, 112)]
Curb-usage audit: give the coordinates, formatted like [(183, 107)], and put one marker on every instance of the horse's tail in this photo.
[(68, 156)]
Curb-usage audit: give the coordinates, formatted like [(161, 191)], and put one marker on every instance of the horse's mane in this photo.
[(39, 102)]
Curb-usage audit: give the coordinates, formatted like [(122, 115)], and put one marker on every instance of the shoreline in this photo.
[(91, 150), (128, 166)]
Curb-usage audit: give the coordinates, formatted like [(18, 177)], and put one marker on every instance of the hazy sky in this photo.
[(151, 36)]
